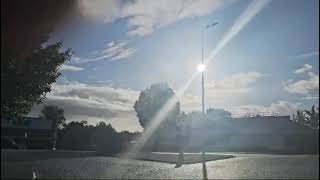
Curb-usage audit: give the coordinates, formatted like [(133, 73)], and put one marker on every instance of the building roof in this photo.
[(29, 123)]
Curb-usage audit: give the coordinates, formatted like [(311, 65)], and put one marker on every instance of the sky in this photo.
[(262, 56)]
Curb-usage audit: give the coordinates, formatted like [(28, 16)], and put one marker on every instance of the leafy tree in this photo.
[(129, 136), (103, 138), (76, 136), (308, 118), (312, 117), (27, 82), (27, 68), (152, 100), (107, 139), (300, 118), (56, 115)]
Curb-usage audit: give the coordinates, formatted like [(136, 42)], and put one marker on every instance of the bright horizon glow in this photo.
[(201, 67)]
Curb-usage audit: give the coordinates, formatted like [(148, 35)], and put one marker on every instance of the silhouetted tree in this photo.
[(56, 115), (312, 117), (76, 136), (308, 118), (300, 118), (102, 138), (152, 100), (27, 82), (106, 139), (27, 68)]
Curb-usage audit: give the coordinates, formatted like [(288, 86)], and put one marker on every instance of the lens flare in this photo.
[(201, 67)]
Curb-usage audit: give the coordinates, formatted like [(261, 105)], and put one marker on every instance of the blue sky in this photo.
[(270, 63)]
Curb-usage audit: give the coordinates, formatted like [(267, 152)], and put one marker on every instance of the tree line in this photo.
[(79, 135)]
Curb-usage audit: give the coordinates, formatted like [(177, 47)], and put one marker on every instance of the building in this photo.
[(270, 133), (32, 133), (258, 133)]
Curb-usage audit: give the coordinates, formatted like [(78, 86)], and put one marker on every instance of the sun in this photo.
[(201, 67)]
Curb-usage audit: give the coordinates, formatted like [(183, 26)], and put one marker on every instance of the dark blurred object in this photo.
[(8, 143), (25, 25), (32, 133)]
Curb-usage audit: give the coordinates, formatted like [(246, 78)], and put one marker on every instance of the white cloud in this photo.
[(144, 16), (236, 81), (232, 86), (311, 98), (70, 68), (303, 69), (101, 10), (220, 93), (94, 103), (306, 55), (304, 87), (114, 51)]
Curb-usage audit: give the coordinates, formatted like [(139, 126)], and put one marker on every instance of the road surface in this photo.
[(243, 166)]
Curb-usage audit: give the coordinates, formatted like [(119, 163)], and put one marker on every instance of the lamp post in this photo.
[(201, 68)]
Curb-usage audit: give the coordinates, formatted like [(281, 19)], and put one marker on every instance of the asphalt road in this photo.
[(243, 166)]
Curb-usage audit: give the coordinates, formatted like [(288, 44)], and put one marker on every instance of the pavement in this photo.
[(243, 166)]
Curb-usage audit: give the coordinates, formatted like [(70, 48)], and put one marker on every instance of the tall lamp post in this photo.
[(201, 68)]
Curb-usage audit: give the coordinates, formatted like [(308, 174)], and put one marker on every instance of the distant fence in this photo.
[(259, 114)]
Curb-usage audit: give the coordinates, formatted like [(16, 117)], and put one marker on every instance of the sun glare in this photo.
[(201, 67)]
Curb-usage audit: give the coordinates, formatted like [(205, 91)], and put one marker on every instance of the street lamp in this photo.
[(201, 68)]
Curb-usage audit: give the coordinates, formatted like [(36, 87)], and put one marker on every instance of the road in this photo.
[(243, 166)]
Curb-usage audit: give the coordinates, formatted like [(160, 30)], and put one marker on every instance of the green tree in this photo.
[(106, 139), (300, 118), (308, 118), (26, 67), (27, 82), (152, 100), (76, 136), (56, 115), (312, 117)]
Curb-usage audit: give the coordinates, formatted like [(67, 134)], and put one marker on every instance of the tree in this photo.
[(152, 100), (56, 115), (300, 118), (308, 118), (27, 68), (107, 139), (312, 117), (27, 82), (76, 136)]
